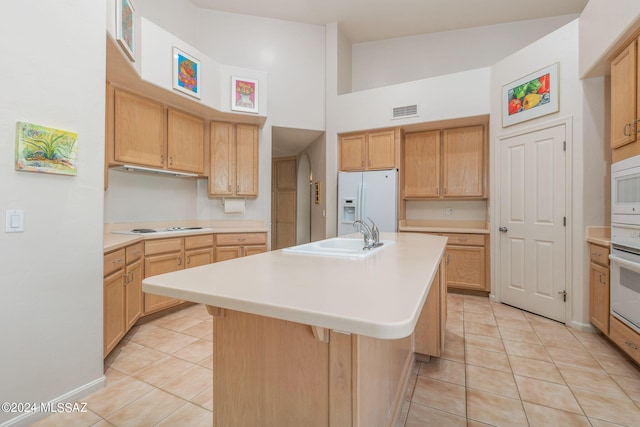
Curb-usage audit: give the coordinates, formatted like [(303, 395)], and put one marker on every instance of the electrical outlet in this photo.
[(448, 211)]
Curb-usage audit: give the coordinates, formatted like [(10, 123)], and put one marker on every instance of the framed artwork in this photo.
[(48, 150), (244, 95), (531, 96), (125, 26), (186, 73)]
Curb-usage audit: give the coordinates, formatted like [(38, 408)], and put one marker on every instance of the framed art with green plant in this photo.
[(44, 149)]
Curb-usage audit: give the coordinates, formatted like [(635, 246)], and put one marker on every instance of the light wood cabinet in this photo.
[(368, 151), (466, 261), (421, 166), (448, 163), (122, 298), (236, 245), (185, 142), (233, 163), (149, 134), (140, 131), (599, 287), (173, 254), (626, 338), (625, 102), (430, 331)]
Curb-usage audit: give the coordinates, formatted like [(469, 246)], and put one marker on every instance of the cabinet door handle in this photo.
[(162, 159), (117, 260), (125, 279), (437, 191), (448, 259), (188, 259), (462, 239), (179, 260), (171, 161), (445, 190), (136, 253), (602, 282), (632, 345)]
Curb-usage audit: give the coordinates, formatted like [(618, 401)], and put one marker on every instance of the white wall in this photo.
[(51, 275), (603, 24), (292, 55), (393, 61), (560, 46)]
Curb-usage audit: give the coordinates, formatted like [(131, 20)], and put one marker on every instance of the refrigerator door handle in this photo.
[(363, 201)]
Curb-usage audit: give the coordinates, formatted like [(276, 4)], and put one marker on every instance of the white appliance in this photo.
[(625, 191), (625, 241), (372, 194), (625, 275)]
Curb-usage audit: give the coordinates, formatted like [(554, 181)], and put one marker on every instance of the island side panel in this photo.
[(268, 372), (383, 369), (272, 372)]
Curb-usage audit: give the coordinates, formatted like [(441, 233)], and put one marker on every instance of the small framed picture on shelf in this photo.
[(530, 97), (186, 73), (244, 95), (125, 27)]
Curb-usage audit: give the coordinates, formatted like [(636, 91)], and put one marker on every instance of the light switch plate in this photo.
[(14, 221)]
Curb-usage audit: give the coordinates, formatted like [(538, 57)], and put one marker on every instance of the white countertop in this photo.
[(380, 296), (112, 241)]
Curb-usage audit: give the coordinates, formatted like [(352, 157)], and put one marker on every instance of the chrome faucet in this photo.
[(366, 231), (375, 234), (371, 234)]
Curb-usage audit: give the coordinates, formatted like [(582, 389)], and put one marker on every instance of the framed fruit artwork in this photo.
[(244, 94), (186, 73), (532, 96)]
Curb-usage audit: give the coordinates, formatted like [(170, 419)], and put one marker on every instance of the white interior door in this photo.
[(532, 222)]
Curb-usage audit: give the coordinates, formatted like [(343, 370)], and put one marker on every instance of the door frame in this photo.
[(494, 201)]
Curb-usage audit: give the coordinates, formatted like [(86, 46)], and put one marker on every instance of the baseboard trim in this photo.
[(583, 327), (75, 395)]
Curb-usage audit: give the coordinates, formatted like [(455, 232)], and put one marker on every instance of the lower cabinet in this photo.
[(429, 333), (236, 245), (173, 254), (122, 293), (624, 337), (599, 287)]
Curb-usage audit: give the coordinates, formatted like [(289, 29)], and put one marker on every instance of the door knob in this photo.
[(503, 229)]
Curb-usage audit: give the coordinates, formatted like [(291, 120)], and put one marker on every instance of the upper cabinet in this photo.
[(149, 134), (233, 167), (368, 150), (140, 131), (625, 103), (446, 163), (185, 142)]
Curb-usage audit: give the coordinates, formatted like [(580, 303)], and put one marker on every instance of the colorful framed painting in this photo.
[(48, 150), (244, 95), (125, 26), (186, 73), (530, 97)]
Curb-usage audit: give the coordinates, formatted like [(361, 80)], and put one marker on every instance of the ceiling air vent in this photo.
[(406, 111)]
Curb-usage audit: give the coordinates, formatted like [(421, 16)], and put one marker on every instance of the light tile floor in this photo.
[(501, 367)]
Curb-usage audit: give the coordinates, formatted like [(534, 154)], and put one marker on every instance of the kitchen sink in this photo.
[(338, 246)]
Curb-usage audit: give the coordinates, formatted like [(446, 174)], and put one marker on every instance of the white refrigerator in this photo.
[(372, 194)]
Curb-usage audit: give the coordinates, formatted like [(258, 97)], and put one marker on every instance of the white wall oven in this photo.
[(625, 241)]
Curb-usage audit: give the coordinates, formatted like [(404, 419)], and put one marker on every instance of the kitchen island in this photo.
[(317, 340)]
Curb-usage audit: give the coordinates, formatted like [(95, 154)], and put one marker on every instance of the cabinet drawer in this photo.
[(465, 239), (159, 246), (241, 239), (113, 261), (625, 337), (202, 241), (599, 254), (133, 252)]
